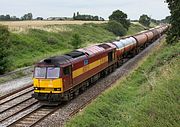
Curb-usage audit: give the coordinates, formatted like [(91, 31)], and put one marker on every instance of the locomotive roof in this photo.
[(63, 59), (95, 49), (70, 57), (75, 54), (56, 60)]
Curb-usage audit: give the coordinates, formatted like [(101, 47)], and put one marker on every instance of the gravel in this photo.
[(13, 85)]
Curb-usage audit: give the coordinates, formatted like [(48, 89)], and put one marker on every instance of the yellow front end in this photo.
[(48, 85)]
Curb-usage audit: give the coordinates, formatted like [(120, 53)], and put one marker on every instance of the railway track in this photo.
[(35, 116), (15, 109), (15, 102), (16, 93), (18, 108), (15, 99)]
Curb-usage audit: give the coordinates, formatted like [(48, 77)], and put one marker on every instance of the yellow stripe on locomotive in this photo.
[(89, 67)]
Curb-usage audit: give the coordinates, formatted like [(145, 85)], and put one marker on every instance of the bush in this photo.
[(4, 48), (120, 17), (76, 41), (172, 37), (145, 20), (174, 33), (52, 40), (117, 28)]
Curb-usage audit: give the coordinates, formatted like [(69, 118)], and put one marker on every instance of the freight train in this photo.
[(60, 78)]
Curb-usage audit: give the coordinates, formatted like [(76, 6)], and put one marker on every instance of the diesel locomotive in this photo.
[(60, 78)]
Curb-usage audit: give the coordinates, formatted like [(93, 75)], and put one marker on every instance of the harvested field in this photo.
[(19, 25)]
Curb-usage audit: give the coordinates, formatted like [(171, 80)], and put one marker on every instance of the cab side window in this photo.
[(66, 70), (110, 57)]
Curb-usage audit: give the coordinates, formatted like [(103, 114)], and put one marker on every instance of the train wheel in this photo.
[(70, 96), (76, 93)]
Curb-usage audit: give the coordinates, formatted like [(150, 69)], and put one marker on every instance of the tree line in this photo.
[(84, 17), (174, 32), (29, 16), (7, 17), (119, 22)]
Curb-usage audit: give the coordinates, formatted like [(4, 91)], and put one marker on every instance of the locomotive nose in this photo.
[(48, 85)]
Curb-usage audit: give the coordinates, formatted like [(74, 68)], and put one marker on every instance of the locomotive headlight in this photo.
[(57, 89), (35, 88)]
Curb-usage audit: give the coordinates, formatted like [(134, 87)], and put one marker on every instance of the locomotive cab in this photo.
[(47, 80), (50, 78)]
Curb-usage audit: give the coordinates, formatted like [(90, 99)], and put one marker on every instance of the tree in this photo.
[(39, 18), (86, 17), (4, 46), (166, 20), (14, 18), (96, 18), (76, 41), (155, 21), (174, 33), (120, 17), (7, 17), (77, 13), (145, 20), (101, 19), (117, 28), (27, 16), (74, 16)]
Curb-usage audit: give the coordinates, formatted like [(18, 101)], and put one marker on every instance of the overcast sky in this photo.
[(157, 9)]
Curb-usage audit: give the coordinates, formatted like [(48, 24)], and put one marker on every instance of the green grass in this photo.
[(35, 44), (135, 28), (152, 24), (148, 97)]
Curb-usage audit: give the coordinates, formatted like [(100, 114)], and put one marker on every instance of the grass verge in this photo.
[(147, 97)]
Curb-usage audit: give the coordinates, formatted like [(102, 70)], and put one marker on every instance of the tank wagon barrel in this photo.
[(149, 35)]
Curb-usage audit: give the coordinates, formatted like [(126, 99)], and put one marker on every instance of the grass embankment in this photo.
[(134, 28), (36, 44), (148, 97), (33, 45)]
